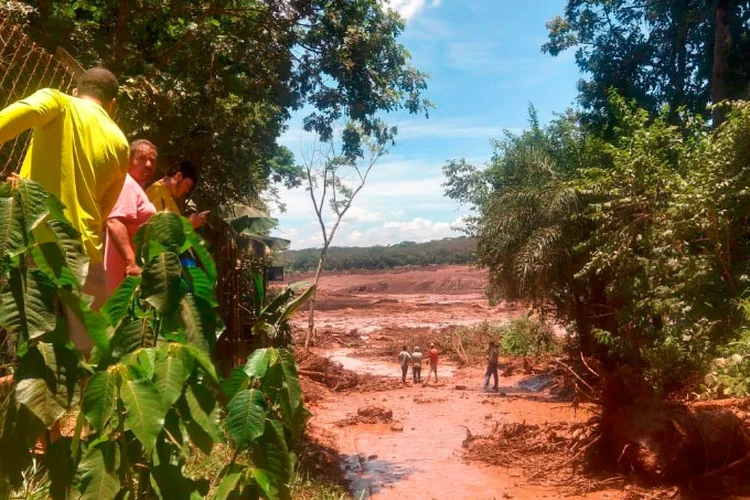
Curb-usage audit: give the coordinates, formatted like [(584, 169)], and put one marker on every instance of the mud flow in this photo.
[(401, 440)]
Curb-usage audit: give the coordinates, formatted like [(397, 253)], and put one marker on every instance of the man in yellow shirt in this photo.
[(78, 154), (171, 189)]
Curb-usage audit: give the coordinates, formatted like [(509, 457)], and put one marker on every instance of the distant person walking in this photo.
[(491, 367), (433, 363), (416, 365), (403, 358)]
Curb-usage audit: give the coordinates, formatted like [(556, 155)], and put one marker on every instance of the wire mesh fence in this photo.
[(24, 68)]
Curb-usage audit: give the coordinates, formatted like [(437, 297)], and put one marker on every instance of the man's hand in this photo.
[(197, 220), (132, 269), (14, 180)]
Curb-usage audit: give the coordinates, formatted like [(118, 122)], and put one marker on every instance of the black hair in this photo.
[(187, 169), (98, 83), (405, 348)]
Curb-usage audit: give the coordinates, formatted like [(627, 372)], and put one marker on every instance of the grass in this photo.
[(305, 487)]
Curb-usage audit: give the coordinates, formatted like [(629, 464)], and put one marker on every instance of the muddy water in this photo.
[(425, 458), (379, 367)]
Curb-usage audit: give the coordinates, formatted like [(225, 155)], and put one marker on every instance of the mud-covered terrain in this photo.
[(398, 440)]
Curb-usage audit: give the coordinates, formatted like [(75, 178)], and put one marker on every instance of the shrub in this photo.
[(528, 337)]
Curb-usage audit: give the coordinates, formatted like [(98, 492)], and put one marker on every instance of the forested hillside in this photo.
[(407, 253)]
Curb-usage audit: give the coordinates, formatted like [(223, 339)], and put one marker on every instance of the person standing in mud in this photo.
[(433, 363), (403, 358), (491, 367), (416, 365)]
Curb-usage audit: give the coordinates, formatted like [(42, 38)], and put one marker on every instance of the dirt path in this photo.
[(422, 455)]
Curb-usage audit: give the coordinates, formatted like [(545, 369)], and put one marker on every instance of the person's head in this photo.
[(183, 179), (98, 84), (405, 348), (432, 346), (492, 343), (416, 348), (143, 156)]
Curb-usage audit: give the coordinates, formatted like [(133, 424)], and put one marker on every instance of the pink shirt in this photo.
[(133, 208)]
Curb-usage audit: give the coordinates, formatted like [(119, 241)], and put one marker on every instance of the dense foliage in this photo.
[(679, 53), (407, 253), (214, 81), (639, 243), (149, 394)]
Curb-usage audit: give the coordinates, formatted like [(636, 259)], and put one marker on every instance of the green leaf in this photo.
[(117, 305), (140, 363), (292, 307), (260, 293), (230, 477), (131, 335), (291, 377), (145, 411), (173, 366), (28, 306), (34, 200), (204, 410), (198, 246), (170, 483), (61, 467), (204, 360), (246, 415), (203, 287), (68, 240), (99, 399), (35, 395), (98, 469), (273, 462), (192, 321), (13, 236), (162, 285), (258, 362), (236, 382), (165, 233), (50, 259)]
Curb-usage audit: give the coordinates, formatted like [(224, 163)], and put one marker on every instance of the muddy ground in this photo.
[(418, 445)]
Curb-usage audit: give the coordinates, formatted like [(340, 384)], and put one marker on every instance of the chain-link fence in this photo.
[(24, 68)]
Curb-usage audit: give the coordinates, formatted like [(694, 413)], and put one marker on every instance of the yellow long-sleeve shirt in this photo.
[(77, 153)]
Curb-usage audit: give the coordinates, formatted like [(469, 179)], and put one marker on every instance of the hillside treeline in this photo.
[(445, 251)]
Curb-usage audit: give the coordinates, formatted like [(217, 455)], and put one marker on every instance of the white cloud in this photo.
[(418, 229), (408, 8), (358, 214)]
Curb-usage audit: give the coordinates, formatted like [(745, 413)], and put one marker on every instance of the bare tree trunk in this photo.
[(311, 319), (722, 44)]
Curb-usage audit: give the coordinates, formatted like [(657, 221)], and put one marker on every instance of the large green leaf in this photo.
[(13, 236), (165, 233), (145, 411), (99, 399), (35, 394), (50, 259), (28, 306), (192, 321), (246, 415), (170, 483), (98, 472), (19, 430), (34, 201), (258, 362), (204, 410), (273, 462), (291, 377), (173, 366), (62, 468), (140, 363), (116, 306), (69, 241), (162, 284), (230, 477), (199, 247), (287, 311), (260, 293), (235, 382), (130, 335), (203, 287), (204, 360)]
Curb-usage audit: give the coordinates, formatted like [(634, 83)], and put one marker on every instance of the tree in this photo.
[(676, 53), (333, 181), (214, 81)]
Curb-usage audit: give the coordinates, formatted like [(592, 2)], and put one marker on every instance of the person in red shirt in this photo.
[(433, 362)]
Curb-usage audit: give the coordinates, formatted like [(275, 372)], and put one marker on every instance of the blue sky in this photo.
[(485, 67)]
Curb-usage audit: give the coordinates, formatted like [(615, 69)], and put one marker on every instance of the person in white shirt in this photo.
[(403, 359), (416, 365)]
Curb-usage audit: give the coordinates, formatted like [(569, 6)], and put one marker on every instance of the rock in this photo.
[(372, 457), (397, 426), (460, 387), (507, 495)]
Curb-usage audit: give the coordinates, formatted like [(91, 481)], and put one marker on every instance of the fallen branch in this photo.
[(593, 391)]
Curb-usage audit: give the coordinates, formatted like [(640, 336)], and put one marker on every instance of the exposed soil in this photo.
[(448, 439)]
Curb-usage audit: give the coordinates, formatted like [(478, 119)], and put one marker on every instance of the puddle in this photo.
[(536, 383)]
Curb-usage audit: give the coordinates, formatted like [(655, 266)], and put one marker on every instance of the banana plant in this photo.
[(271, 317)]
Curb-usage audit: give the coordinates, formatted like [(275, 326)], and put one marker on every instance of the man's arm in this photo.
[(117, 231), (35, 111)]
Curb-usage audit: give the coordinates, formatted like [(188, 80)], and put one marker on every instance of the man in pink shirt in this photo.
[(132, 210)]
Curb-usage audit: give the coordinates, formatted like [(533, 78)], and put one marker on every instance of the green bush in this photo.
[(528, 337)]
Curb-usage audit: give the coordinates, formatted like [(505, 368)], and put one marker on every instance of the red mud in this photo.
[(422, 452)]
